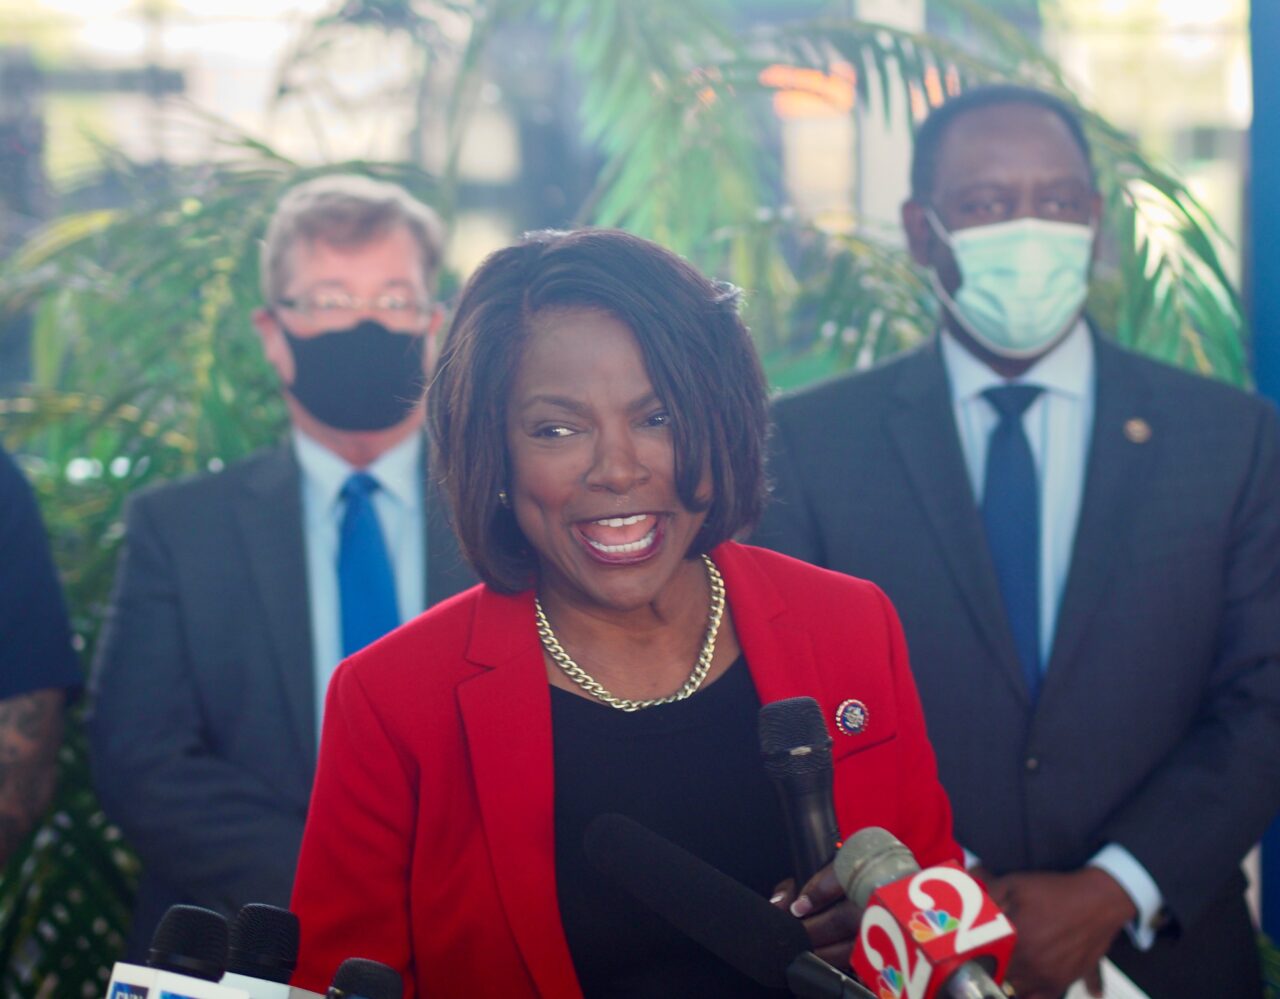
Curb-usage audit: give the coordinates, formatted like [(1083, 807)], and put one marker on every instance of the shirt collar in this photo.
[(397, 470), (1066, 370)]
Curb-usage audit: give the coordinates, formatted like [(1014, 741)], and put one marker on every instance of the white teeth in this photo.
[(635, 518), (633, 546)]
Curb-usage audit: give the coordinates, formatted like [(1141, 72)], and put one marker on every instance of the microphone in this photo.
[(723, 915), (361, 978), (262, 953), (797, 758), (187, 958), (190, 941), (923, 933)]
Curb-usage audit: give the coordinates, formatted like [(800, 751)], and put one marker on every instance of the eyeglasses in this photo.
[(335, 309)]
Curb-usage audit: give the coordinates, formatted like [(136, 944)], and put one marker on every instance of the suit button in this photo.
[(1032, 764)]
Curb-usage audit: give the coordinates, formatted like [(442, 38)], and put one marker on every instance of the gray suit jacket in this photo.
[(203, 721), (1158, 724)]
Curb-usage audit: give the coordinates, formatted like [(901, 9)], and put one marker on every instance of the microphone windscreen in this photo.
[(361, 978), (869, 859), (711, 908), (793, 737), (190, 940), (264, 943)]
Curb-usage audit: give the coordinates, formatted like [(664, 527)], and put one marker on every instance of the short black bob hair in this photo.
[(698, 354), (928, 141)]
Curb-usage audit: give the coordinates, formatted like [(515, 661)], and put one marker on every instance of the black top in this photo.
[(690, 771), (35, 639)]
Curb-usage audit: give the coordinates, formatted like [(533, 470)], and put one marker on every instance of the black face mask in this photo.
[(362, 378)]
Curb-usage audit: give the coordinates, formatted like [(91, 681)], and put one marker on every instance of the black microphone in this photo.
[(361, 978), (188, 955), (711, 908), (190, 941), (797, 758), (188, 952), (263, 951)]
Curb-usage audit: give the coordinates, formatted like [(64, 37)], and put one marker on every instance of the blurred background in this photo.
[(142, 143), (321, 82)]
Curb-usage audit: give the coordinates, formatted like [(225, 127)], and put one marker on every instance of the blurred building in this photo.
[(171, 82), (1175, 74)]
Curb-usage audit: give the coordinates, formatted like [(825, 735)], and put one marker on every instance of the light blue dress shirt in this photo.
[(1058, 426), (399, 505)]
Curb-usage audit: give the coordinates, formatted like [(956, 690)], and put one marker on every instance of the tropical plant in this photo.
[(1270, 965), (681, 167), (146, 367), (676, 102)]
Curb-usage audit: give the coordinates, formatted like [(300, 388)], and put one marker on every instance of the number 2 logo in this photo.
[(968, 936), (914, 980)]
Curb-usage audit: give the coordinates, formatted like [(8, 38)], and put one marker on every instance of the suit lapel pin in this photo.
[(1137, 430), (851, 717)]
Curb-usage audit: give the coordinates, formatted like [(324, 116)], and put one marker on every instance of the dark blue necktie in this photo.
[(1011, 515), (366, 585)]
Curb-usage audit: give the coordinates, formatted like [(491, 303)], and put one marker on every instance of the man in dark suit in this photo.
[(239, 592), (1084, 546)]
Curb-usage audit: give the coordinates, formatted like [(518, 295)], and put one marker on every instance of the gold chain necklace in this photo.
[(593, 686)]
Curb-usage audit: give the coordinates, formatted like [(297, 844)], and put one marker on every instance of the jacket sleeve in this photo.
[(209, 829), (1197, 814), (35, 638), (352, 888), (788, 524), (923, 805)]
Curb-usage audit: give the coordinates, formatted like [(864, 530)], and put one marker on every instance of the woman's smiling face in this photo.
[(593, 464)]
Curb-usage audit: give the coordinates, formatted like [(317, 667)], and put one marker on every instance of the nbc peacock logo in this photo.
[(929, 924), (889, 984)]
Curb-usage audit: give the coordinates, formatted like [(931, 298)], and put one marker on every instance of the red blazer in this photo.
[(430, 840)]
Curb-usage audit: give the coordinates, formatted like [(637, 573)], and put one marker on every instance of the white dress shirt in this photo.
[(1058, 425), (399, 506)]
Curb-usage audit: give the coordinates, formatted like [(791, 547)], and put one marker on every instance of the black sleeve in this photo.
[(35, 638), (788, 525)]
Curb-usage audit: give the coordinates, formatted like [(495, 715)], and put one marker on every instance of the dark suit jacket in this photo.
[(1159, 719), (203, 724), (431, 839)]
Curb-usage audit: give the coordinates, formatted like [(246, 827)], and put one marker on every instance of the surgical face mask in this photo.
[(361, 378), (1022, 283)]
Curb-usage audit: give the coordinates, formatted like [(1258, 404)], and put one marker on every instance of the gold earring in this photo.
[(503, 498)]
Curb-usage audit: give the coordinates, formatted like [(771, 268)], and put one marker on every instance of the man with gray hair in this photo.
[(239, 592)]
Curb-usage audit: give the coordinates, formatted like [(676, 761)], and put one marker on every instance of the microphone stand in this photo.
[(810, 977), (970, 981)]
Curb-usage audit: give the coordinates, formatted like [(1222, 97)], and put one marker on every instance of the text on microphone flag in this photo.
[(950, 918)]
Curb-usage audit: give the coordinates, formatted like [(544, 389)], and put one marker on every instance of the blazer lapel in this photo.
[(924, 430), (506, 711), (1118, 458), (269, 512), (779, 652)]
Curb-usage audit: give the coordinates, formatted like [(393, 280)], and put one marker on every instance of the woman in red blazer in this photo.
[(598, 420)]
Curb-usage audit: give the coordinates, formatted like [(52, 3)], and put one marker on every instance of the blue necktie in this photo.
[(1011, 515), (366, 585)]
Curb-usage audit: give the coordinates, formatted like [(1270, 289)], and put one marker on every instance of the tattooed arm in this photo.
[(30, 734)]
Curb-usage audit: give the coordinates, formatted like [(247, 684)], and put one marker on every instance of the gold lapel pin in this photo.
[(1137, 430)]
